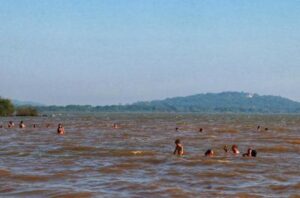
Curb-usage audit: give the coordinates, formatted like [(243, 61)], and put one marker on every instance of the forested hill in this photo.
[(236, 102)]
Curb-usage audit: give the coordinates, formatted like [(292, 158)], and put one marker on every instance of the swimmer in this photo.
[(179, 148), (258, 128), (225, 148), (34, 125), (200, 130), (176, 129), (60, 129), (11, 124), (266, 129), (22, 125), (48, 125), (209, 153), (115, 126), (248, 154), (234, 149), (253, 153)]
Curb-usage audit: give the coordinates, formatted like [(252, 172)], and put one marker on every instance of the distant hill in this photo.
[(235, 102), (226, 102)]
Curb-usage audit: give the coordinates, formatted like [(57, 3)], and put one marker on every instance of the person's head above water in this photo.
[(60, 129), (178, 148), (234, 149), (22, 125), (253, 153), (250, 153), (209, 153), (177, 141)]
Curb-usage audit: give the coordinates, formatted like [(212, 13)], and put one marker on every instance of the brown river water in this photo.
[(94, 160)]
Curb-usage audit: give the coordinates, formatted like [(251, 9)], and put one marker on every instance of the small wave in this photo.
[(246, 195), (212, 136), (153, 160), (277, 149), (227, 130), (73, 195), (71, 149), (137, 152), (30, 193), (279, 187), (79, 148), (294, 141), (30, 178), (224, 161), (4, 173), (119, 168), (125, 153), (217, 174), (5, 189), (52, 194)]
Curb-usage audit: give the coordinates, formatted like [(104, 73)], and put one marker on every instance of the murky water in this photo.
[(94, 160)]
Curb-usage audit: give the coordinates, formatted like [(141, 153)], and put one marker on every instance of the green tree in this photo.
[(6, 107), (26, 111)]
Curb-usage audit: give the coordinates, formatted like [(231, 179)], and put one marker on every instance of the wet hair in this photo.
[(200, 130), (253, 153), (234, 147), (177, 141), (208, 152)]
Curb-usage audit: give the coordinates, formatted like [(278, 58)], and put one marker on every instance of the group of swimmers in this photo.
[(178, 146), (210, 153), (11, 124)]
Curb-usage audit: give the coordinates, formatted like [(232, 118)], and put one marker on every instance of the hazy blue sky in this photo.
[(118, 51)]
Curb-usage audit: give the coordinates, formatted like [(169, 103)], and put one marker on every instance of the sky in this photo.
[(122, 51)]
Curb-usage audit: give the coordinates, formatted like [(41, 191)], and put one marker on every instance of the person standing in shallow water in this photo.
[(11, 124), (234, 149), (250, 153), (178, 148), (22, 125), (209, 153), (115, 126), (60, 129)]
